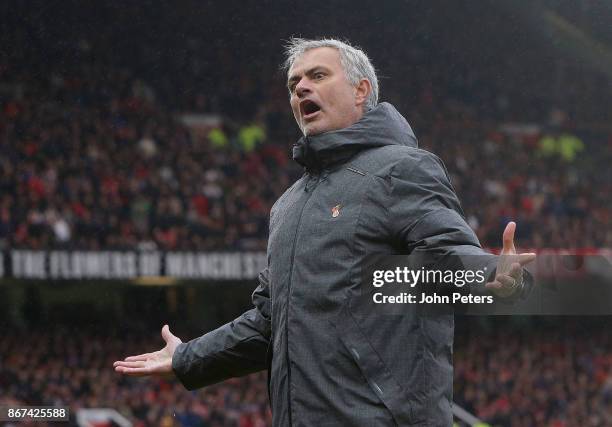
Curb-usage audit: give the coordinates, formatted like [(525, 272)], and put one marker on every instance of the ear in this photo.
[(362, 92)]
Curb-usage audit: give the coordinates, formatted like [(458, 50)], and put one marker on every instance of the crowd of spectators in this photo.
[(72, 367), (554, 374), (557, 202), (97, 171), (92, 165), (93, 154)]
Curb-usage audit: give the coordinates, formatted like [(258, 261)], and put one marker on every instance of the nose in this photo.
[(302, 88)]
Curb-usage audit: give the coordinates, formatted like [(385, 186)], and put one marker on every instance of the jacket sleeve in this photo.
[(234, 349), (428, 220)]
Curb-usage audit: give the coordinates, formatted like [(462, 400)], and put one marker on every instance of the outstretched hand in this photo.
[(509, 273), (158, 363)]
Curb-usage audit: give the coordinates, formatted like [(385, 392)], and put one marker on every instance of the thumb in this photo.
[(171, 340), (166, 334), (508, 239), (526, 258)]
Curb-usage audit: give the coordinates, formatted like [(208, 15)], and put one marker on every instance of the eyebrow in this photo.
[(310, 71)]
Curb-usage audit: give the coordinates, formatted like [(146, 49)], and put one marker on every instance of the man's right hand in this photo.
[(158, 363)]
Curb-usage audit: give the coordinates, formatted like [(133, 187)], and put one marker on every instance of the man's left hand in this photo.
[(509, 272)]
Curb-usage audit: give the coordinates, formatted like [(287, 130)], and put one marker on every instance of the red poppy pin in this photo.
[(336, 211)]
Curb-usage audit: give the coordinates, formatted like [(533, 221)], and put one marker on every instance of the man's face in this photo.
[(322, 98)]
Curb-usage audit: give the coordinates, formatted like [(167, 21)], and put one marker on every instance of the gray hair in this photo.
[(355, 62)]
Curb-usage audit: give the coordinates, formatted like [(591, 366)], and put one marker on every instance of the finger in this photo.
[(516, 271), (508, 238), (135, 372), (143, 356), (506, 281), (125, 364), (526, 258), (494, 285)]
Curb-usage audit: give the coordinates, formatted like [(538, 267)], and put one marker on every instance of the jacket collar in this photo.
[(383, 125)]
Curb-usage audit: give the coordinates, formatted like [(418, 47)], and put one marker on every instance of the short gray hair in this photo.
[(355, 62)]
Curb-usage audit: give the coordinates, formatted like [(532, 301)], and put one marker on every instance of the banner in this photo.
[(127, 265), (122, 265)]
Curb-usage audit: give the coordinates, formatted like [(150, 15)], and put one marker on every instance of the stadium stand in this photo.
[(555, 372)]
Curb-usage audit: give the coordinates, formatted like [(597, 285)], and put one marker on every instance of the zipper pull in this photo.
[(306, 189), (311, 183)]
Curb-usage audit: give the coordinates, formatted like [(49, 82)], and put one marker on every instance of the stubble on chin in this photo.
[(311, 130)]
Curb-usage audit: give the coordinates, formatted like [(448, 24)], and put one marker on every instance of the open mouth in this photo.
[(309, 109)]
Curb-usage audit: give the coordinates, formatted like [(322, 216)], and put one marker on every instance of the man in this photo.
[(367, 188)]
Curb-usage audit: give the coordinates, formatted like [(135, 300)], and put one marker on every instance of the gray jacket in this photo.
[(366, 189)]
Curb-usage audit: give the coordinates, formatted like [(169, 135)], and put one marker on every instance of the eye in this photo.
[(319, 75)]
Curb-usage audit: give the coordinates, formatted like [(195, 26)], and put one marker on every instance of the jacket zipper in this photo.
[(355, 170), (297, 228)]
